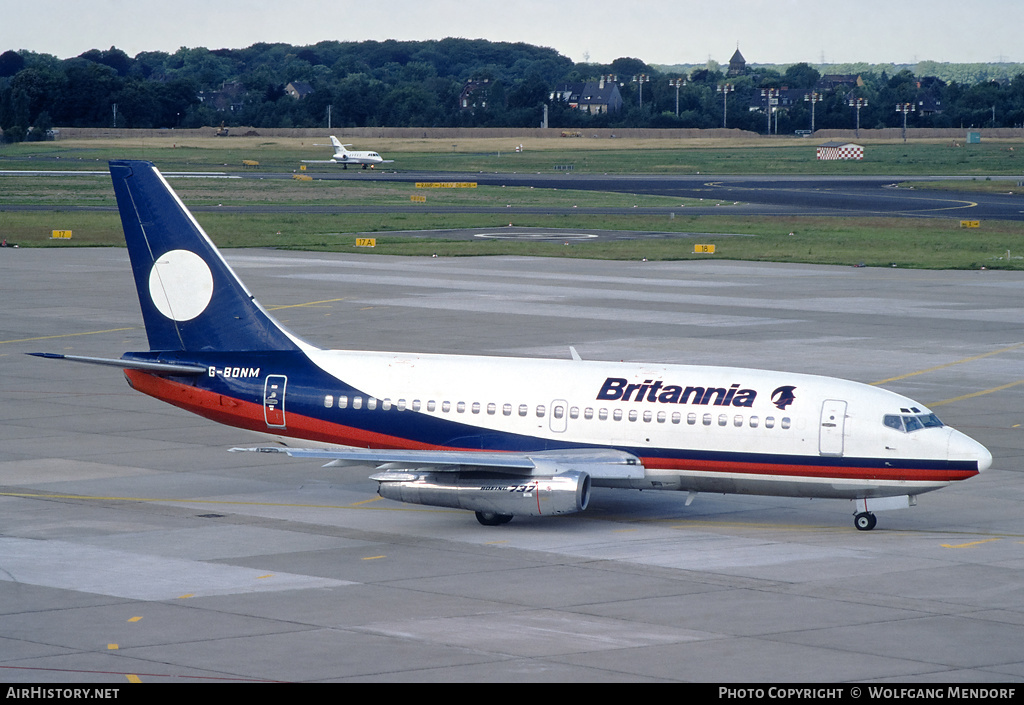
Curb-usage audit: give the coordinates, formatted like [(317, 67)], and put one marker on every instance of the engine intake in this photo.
[(564, 493)]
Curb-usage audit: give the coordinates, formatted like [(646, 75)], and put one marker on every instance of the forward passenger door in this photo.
[(833, 426)]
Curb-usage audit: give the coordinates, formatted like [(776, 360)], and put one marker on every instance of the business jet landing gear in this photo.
[(492, 519), (865, 521)]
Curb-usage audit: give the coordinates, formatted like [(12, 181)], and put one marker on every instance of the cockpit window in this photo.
[(908, 423)]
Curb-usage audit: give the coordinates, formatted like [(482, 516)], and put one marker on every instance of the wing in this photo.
[(599, 463)]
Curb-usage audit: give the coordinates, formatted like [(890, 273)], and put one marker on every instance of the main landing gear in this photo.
[(865, 521), (492, 519)]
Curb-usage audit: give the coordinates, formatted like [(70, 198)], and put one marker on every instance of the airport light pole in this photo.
[(677, 83), (641, 79), (725, 89), (858, 103), (771, 96), (813, 99), (905, 108)]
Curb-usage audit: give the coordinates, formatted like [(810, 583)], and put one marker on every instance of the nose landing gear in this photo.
[(865, 521)]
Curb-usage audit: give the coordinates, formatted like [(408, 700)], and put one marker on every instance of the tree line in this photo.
[(421, 83)]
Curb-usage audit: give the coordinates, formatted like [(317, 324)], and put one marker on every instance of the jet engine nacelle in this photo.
[(564, 493)]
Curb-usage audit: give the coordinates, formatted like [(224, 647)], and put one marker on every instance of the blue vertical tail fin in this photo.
[(191, 299)]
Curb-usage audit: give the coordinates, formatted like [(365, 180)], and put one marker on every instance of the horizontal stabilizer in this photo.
[(167, 368)]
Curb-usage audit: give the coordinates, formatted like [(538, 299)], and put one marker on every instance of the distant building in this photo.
[(592, 97), (928, 104), (298, 89), (474, 95), (228, 99), (737, 64), (832, 83), (929, 88), (784, 98)]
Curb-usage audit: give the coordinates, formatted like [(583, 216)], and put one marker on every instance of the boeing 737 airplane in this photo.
[(505, 436), (344, 157)]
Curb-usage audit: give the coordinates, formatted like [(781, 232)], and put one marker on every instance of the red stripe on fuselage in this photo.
[(818, 471), (250, 415), (232, 411)]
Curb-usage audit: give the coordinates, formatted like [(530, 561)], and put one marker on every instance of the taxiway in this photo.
[(133, 546)]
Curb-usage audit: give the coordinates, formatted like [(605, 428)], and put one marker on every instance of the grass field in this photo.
[(928, 243), (767, 155)]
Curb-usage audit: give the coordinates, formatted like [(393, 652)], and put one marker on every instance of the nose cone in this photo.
[(963, 447)]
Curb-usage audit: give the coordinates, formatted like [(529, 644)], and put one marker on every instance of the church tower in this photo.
[(737, 64)]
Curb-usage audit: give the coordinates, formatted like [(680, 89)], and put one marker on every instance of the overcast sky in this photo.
[(656, 31)]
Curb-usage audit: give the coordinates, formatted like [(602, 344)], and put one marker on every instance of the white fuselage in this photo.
[(345, 157), (696, 428)]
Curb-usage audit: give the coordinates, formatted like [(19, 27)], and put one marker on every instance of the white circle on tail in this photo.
[(180, 285)]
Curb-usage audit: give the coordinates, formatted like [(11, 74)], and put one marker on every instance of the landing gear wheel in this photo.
[(492, 519), (865, 521)]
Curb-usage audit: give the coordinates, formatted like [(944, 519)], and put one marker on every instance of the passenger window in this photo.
[(706, 420), (691, 418), (431, 405), (602, 414), (723, 420), (737, 421), (617, 414), (461, 407), (523, 410), (416, 405), (647, 417), (476, 407), (662, 416), (574, 412), (491, 408), (676, 417), (371, 403), (506, 409), (328, 401), (400, 405), (357, 402), (385, 404), (769, 422), (753, 422), (558, 411), (446, 406), (540, 411), (785, 422), (588, 413), (342, 402), (632, 415)]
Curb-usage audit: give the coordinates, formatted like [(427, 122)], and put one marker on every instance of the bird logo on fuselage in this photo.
[(783, 396)]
